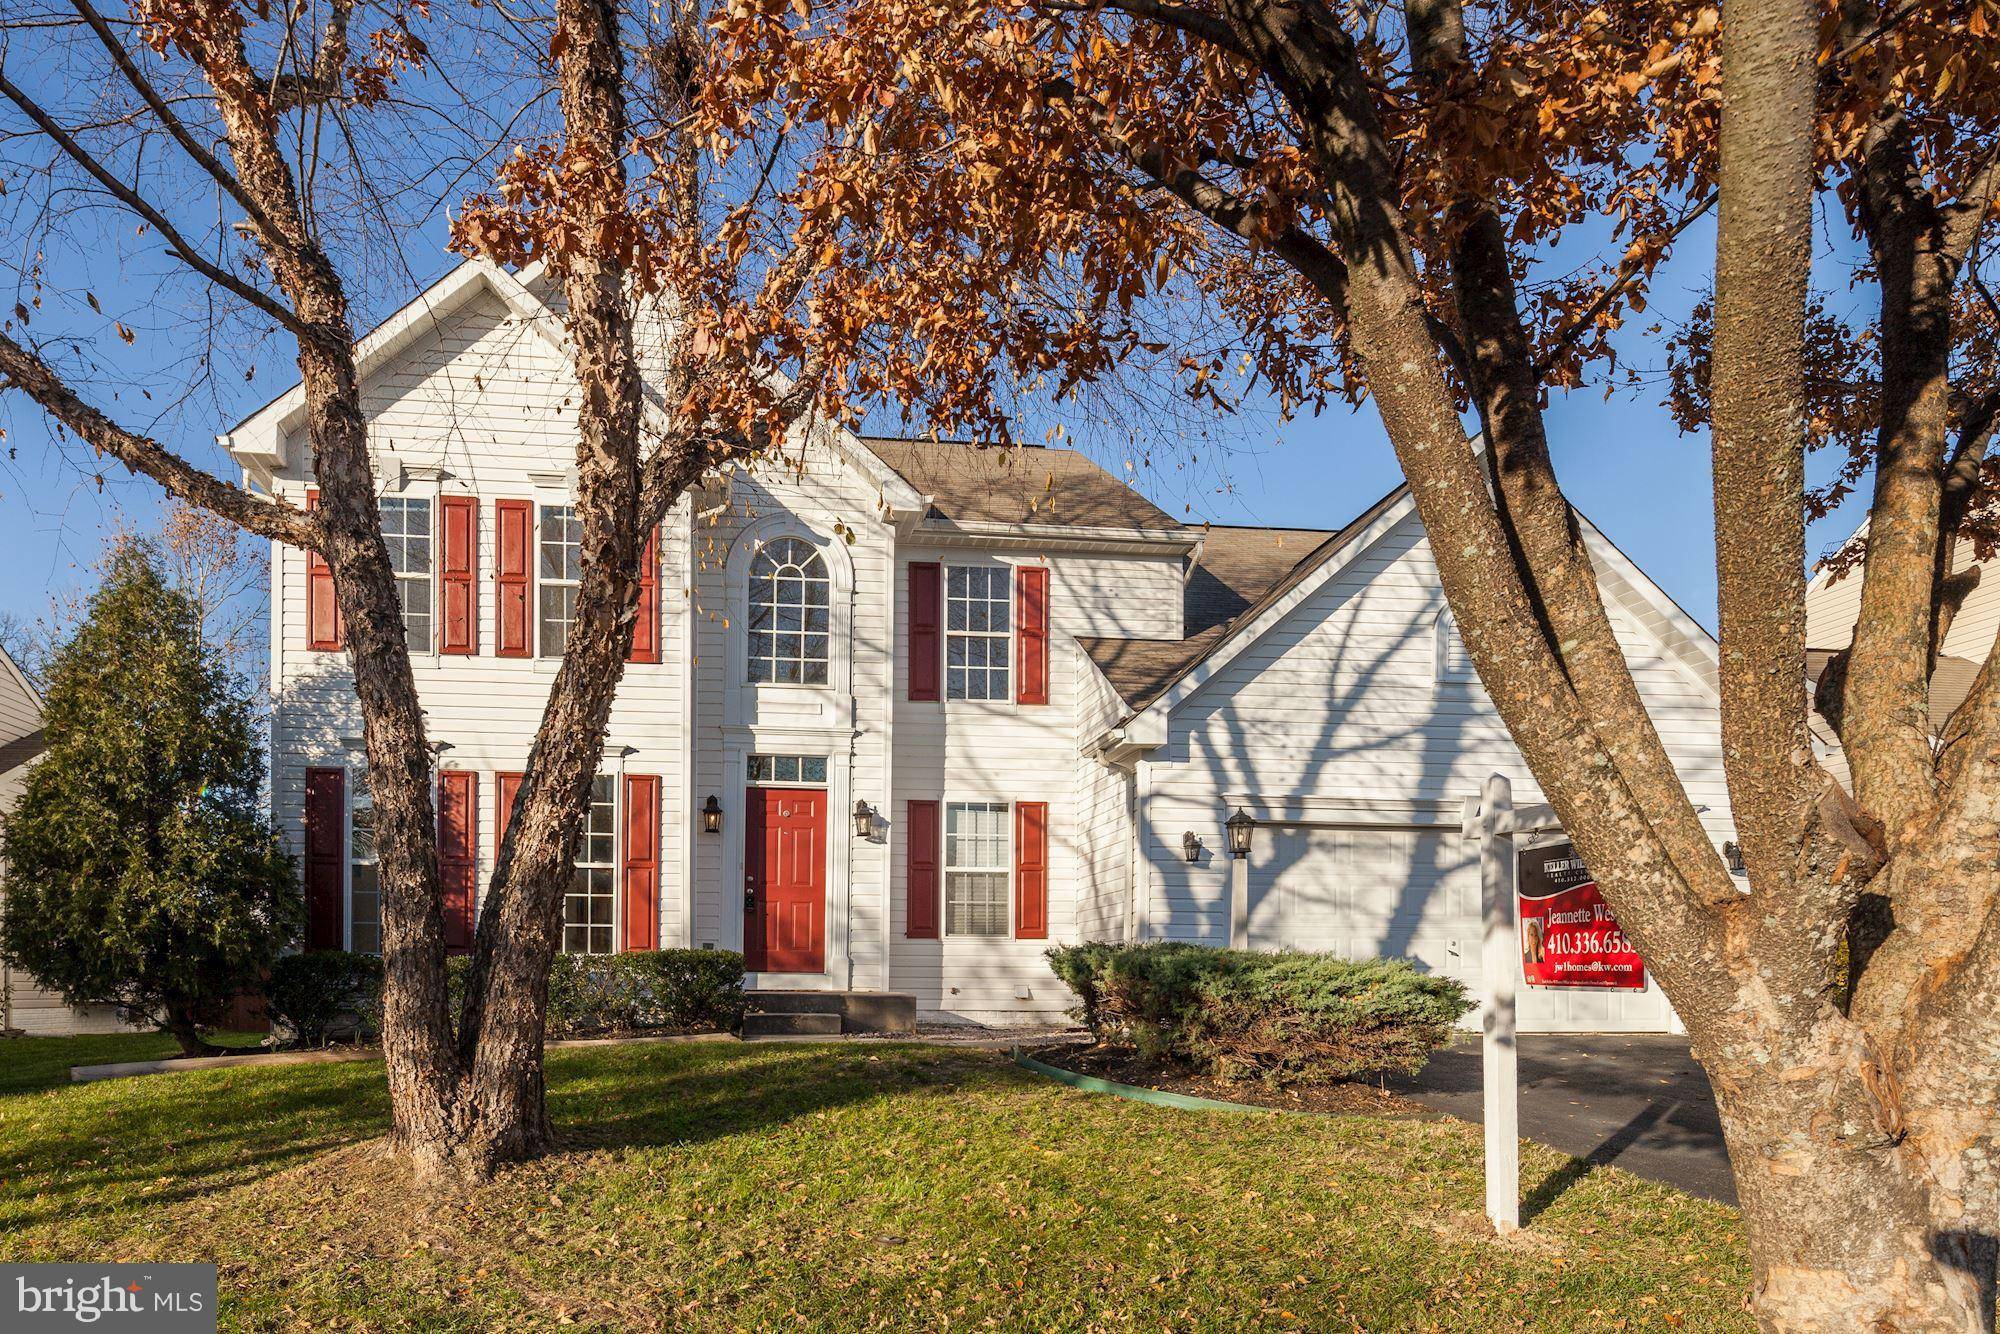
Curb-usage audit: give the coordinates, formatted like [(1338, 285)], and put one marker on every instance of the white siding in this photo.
[(1337, 717), (1104, 815), (1001, 751), (1833, 606), (485, 400)]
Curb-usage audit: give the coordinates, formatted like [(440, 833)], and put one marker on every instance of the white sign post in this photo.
[(1492, 819)]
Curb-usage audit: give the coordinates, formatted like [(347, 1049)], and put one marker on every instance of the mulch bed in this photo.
[(1123, 1065)]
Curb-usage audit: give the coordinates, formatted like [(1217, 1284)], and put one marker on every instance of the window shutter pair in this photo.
[(326, 855), (923, 873), (514, 523), (458, 558), (1031, 632), (640, 873), (326, 836), (458, 854)]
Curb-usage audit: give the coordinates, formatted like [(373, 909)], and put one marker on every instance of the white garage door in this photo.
[(1408, 893)]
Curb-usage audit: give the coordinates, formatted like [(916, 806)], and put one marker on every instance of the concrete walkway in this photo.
[(1633, 1101)]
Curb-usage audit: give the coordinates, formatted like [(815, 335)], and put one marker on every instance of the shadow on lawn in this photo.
[(649, 1097), (143, 1143), (113, 1147), (1555, 1184)]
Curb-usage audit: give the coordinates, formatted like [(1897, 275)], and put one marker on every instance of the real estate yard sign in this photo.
[(1568, 936)]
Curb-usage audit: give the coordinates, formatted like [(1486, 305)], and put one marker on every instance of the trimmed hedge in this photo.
[(323, 993), (327, 992), (593, 994), (1289, 1018)]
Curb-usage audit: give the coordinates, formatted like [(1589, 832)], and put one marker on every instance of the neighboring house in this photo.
[(901, 715), (26, 1006), (1833, 605)]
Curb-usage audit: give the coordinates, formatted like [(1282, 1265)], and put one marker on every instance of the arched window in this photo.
[(789, 595), (1453, 662)]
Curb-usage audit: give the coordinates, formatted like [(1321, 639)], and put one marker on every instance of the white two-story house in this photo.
[(902, 715)]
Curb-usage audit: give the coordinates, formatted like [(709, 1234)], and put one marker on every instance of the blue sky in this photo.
[(1620, 457)]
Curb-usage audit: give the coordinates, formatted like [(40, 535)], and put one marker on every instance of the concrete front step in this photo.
[(768, 1024), (852, 1011)]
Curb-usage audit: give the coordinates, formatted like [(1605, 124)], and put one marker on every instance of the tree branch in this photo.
[(193, 258), (1628, 274), (23, 370), (1763, 263), (320, 83), (1182, 18), (204, 159)]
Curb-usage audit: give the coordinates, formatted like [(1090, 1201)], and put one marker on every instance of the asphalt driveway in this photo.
[(1633, 1101)]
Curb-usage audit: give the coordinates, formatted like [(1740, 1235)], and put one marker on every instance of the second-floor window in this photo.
[(590, 904), (978, 631), (406, 528), (789, 597), (561, 545)]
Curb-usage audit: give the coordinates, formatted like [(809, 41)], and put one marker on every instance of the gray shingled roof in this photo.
[(1238, 566), (1234, 578), (979, 484)]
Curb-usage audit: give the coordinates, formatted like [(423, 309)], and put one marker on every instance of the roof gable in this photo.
[(1156, 676), (263, 436)]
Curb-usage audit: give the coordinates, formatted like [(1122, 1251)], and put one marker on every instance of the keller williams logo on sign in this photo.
[(1568, 936)]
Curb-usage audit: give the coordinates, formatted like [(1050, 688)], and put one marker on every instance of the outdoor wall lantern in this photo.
[(711, 815), (1191, 846), (864, 819), (1733, 855), (1239, 826)]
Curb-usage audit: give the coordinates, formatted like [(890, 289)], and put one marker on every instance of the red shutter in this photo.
[(322, 607), (512, 540), (642, 862), (1031, 632), (926, 595), (326, 854), (458, 564), (458, 853), (646, 634), (920, 871), (505, 788), (1031, 870)]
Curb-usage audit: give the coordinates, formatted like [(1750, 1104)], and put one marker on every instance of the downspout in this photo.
[(1142, 866), (689, 831), (886, 814)]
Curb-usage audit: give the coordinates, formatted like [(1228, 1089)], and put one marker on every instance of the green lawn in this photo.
[(723, 1186), (29, 1064)]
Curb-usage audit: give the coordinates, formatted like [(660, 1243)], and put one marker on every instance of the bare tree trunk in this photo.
[(1840, 1233), (501, 1030)]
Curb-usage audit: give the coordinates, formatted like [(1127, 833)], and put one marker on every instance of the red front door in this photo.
[(784, 881)]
